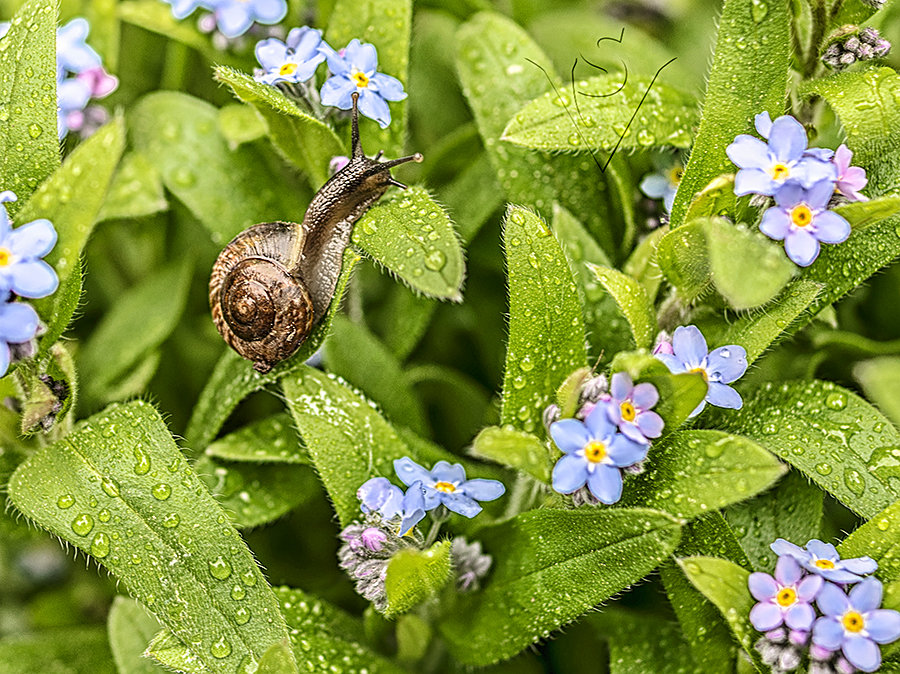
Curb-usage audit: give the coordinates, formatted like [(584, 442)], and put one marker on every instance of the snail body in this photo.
[(273, 282)]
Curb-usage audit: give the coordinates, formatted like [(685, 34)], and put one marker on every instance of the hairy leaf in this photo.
[(413, 238), (632, 299), (301, 138), (643, 642), (683, 259), (269, 440), (131, 628), (880, 379), (832, 435), (415, 575), (606, 104), (546, 329), (65, 650), (693, 472), (136, 190), (279, 659), (877, 539), (29, 145), (234, 378), (551, 578), (119, 489), (514, 448), (749, 75)]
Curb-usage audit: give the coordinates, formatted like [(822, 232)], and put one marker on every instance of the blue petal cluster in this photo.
[(719, 367), (663, 185), (233, 17), (22, 274), (802, 181), (292, 61), (849, 626)]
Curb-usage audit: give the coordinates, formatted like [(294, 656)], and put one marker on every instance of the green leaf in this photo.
[(225, 190), (546, 329), (323, 635), (607, 104), (71, 199), (413, 638), (131, 628), (472, 197), (301, 138), (241, 124), (643, 642), (683, 259), (67, 650), (457, 405), (880, 379), (632, 299), (514, 448), (830, 434), (347, 439), (387, 24), (747, 268), (864, 102), (545, 575), (115, 347), (255, 494), (29, 146), (279, 659), (379, 374), (269, 440), (749, 75), (497, 81), (877, 539), (864, 213), (792, 510), (724, 583), (415, 575), (65, 303), (119, 489), (757, 330), (412, 236), (234, 378), (136, 190), (643, 263), (693, 472)]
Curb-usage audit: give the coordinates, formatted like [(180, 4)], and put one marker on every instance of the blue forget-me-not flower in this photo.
[(802, 220), (73, 54), (855, 623), (785, 598), (234, 17), (294, 60), (594, 453), (355, 69), (719, 367), (22, 270), (446, 484), (663, 185), (823, 559), (18, 324), (631, 408), (378, 495)]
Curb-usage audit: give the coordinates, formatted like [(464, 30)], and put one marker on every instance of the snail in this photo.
[(274, 282)]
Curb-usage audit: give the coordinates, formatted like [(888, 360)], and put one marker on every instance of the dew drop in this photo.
[(109, 486), (854, 482), (100, 545), (104, 515), (758, 10), (83, 524), (171, 521), (220, 568), (241, 616), (220, 649), (883, 524), (435, 260), (517, 217), (142, 467), (249, 578), (161, 491), (35, 130), (836, 400), (823, 468), (238, 592), (65, 501)]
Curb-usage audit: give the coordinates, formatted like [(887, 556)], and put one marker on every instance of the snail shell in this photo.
[(274, 281)]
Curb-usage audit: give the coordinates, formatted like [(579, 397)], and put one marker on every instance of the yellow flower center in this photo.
[(5, 256), (780, 171), (446, 487), (287, 69), (361, 79), (824, 563), (595, 451), (786, 597), (675, 175), (801, 216), (702, 372), (628, 413), (853, 621)]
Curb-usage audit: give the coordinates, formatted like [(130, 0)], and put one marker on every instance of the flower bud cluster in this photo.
[(851, 44)]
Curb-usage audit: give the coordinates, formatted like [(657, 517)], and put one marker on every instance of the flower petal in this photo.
[(822, 550), (674, 363), (18, 322), (800, 616), (809, 587), (883, 625), (461, 504), (697, 409), (787, 570), (620, 386), (828, 632), (690, 345), (783, 547), (866, 596), (598, 423), (766, 616), (654, 185), (832, 601), (569, 474), (338, 92), (444, 471), (787, 138), (762, 586), (33, 239), (727, 363), (747, 152), (570, 435), (819, 194), (625, 452), (860, 565), (605, 484), (234, 18), (862, 653), (776, 223), (271, 53), (802, 247), (722, 395), (650, 424), (363, 56), (373, 106), (754, 181), (389, 88), (409, 472), (483, 490), (763, 123), (4, 358), (831, 227), (269, 11), (337, 64), (789, 195), (645, 396), (632, 432)]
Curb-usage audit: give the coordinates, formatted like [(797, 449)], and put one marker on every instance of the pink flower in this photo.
[(850, 179)]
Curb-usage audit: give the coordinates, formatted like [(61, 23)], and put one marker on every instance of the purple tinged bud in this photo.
[(852, 44), (799, 637), (777, 635), (882, 47), (550, 416), (833, 50), (373, 539), (817, 652), (847, 59), (869, 35), (338, 163), (865, 52), (842, 666)]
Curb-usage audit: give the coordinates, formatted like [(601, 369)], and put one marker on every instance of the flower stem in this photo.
[(175, 66), (438, 516)]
